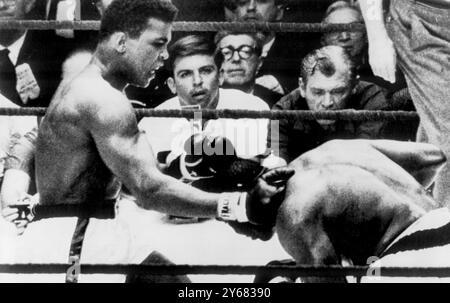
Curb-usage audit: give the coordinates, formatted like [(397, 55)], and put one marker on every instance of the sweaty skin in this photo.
[(88, 136), (350, 199), (89, 139)]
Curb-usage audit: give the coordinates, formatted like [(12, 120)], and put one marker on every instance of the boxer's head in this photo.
[(328, 78), (354, 42), (195, 66), (241, 54), (134, 35)]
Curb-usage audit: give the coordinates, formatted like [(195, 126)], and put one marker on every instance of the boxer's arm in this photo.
[(382, 56), (17, 178), (126, 151), (421, 160), (300, 223)]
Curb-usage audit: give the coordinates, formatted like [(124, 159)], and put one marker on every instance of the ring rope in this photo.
[(353, 115), (191, 26), (281, 270), (346, 115)]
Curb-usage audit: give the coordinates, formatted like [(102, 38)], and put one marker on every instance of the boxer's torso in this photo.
[(349, 201), (68, 165)]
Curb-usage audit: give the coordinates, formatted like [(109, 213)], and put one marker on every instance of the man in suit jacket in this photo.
[(30, 61), (282, 52), (241, 60)]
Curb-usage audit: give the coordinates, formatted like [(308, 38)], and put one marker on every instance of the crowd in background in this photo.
[(286, 71)]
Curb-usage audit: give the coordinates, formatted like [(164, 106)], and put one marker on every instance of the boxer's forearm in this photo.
[(421, 160), (22, 151), (168, 195), (132, 161)]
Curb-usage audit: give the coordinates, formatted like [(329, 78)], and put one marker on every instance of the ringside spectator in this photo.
[(195, 66), (282, 52), (328, 82), (242, 60), (30, 61)]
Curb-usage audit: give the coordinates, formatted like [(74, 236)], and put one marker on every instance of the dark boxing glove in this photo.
[(194, 163), (266, 196), (259, 206)]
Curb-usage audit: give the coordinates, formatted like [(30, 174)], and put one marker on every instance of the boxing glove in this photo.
[(260, 204)]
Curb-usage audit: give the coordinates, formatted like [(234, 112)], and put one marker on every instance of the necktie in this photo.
[(8, 78)]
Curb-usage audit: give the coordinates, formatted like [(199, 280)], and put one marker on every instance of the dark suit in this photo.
[(285, 56), (268, 96), (44, 53), (297, 136)]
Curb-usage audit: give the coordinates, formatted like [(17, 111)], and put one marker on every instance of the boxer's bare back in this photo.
[(350, 199)]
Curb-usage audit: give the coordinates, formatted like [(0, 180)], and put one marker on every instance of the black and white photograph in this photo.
[(253, 142)]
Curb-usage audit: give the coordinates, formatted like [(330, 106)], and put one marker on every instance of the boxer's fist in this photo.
[(266, 196)]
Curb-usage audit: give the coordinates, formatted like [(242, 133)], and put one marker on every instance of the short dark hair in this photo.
[(324, 60), (193, 45), (131, 16), (259, 40)]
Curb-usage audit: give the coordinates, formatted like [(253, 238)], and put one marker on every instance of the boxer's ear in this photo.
[(171, 85), (119, 41)]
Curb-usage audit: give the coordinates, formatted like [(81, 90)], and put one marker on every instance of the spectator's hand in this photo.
[(382, 57), (266, 196)]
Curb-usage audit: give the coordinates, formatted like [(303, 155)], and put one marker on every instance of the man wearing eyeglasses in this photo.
[(355, 43), (328, 82), (242, 60), (282, 52)]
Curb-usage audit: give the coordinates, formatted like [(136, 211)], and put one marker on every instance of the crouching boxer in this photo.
[(360, 201), (89, 144)]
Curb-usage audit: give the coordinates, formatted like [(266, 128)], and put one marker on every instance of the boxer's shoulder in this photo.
[(96, 101)]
